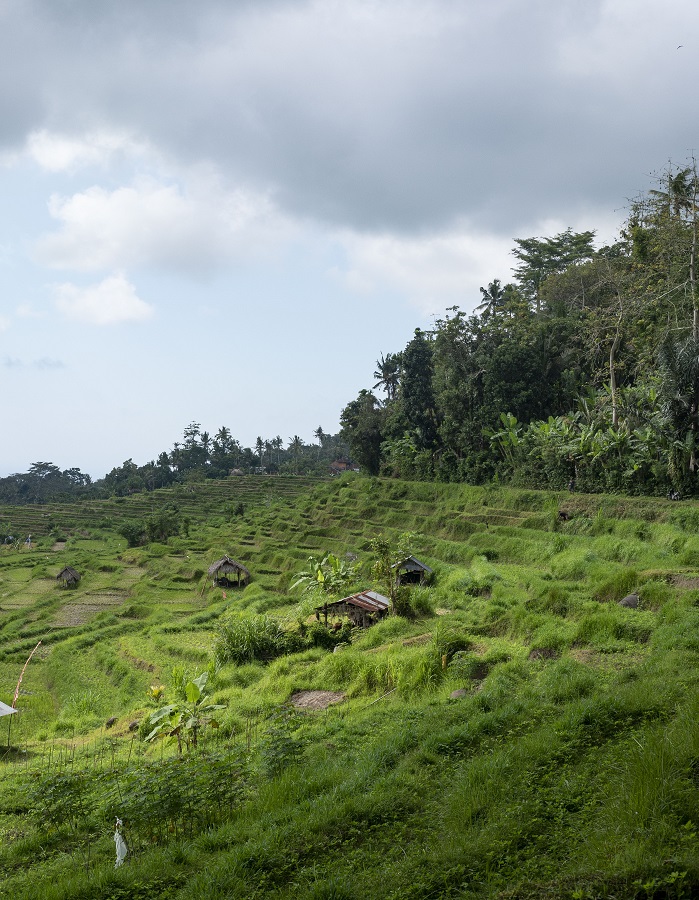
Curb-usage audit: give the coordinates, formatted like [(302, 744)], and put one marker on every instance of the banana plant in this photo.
[(184, 719), (327, 575)]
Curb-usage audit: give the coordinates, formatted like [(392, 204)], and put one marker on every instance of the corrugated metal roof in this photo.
[(411, 562), (368, 600)]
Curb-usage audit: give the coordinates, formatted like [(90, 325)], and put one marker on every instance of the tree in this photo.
[(494, 297), (296, 446), (541, 257), (361, 426), (386, 553), (679, 394), (388, 374), (418, 406)]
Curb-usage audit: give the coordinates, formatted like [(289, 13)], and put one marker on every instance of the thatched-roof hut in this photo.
[(68, 576), (222, 568), (411, 571)]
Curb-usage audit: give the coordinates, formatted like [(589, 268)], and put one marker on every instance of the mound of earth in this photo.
[(315, 699)]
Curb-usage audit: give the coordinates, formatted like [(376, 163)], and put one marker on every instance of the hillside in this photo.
[(519, 734)]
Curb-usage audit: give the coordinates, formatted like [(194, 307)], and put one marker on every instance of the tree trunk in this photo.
[(612, 373)]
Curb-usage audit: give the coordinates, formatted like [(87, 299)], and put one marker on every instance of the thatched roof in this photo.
[(69, 575), (226, 565)]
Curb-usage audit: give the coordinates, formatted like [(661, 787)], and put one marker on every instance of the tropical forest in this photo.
[(583, 369)]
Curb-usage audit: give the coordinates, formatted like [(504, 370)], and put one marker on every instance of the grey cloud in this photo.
[(47, 363), (400, 115)]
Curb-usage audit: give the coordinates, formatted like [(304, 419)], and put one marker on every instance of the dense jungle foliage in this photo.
[(523, 726), (584, 369)]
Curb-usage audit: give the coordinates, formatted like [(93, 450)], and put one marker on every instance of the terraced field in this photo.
[(518, 733), (196, 501)]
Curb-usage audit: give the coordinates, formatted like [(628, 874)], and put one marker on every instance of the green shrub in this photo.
[(617, 586), (247, 638), (421, 602)]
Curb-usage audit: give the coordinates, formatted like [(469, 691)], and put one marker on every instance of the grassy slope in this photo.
[(570, 766)]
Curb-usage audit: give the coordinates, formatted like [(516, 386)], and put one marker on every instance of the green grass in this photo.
[(565, 765)]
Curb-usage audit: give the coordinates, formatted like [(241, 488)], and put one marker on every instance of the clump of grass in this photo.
[(616, 586), (244, 639)]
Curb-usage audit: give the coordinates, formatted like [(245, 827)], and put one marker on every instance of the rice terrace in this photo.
[(524, 722)]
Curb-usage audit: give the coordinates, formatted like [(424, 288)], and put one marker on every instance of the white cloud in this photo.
[(27, 311), (433, 271), (59, 153), (111, 302), (4, 323), (437, 270), (153, 224)]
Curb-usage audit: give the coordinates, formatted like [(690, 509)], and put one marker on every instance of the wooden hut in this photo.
[(68, 576), (363, 609), (225, 567), (411, 571)]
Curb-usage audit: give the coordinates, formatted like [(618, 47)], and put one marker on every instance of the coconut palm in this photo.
[(388, 374)]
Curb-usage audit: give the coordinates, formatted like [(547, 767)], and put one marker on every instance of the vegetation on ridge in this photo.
[(584, 369)]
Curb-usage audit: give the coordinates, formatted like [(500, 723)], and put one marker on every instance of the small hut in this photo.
[(411, 571), (68, 576), (222, 568), (363, 609)]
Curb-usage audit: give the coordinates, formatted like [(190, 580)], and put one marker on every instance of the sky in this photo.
[(226, 212)]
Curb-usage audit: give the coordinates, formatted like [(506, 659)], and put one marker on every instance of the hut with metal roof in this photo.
[(363, 609), (225, 567), (69, 576), (411, 571)]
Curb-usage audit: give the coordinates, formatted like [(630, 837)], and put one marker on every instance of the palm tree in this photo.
[(493, 298), (205, 439), (388, 374), (296, 446), (223, 439), (320, 436)]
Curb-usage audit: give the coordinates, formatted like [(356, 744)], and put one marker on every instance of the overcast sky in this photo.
[(225, 212)]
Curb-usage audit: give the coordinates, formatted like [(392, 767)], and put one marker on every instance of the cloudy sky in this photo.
[(226, 211)]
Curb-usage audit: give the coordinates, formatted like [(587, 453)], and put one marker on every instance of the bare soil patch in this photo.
[(685, 581), (418, 639), (59, 545), (316, 699), (544, 653)]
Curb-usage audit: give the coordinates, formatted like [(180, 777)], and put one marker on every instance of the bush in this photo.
[(248, 638), (619, 585), (134, 532)]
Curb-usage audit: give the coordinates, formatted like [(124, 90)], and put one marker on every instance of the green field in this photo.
[(567, 765)]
